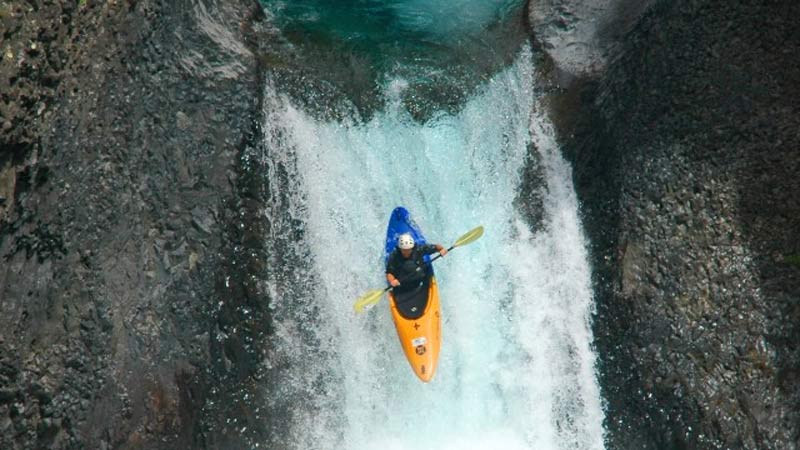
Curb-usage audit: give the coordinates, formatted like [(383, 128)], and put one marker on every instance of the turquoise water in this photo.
[(377, 23), (350, 48), (517, 367)]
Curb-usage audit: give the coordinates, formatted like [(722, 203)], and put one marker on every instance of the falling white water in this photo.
[(517, 366)]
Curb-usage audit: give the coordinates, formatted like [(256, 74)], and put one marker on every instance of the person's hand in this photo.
[(394, 282), (443, 251)]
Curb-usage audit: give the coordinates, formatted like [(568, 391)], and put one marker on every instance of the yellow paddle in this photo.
[(374, 296)]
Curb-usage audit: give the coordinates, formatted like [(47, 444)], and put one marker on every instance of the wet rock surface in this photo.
[(685, 156), (132, 228), (128, 233)]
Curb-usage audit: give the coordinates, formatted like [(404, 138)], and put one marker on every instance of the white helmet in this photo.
[(405, 242)]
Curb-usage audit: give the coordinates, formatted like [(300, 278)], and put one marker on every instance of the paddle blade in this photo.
[(469, 237), (368, 299)]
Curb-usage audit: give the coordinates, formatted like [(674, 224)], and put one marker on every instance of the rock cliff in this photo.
[(125, 206), (683, 136)]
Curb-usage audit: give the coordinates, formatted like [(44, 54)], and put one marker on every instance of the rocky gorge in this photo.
[(123, 199), (683, 133), (132, 218)]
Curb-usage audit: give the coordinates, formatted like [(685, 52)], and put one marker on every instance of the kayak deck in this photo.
[(416, 316)]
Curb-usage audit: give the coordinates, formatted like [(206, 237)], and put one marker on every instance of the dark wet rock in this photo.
[(581, 37), (684, 151), (128, 126)]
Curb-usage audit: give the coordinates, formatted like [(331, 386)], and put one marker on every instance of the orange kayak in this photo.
[(419, 327)]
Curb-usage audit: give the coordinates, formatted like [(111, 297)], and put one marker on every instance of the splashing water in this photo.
[(516, 368)]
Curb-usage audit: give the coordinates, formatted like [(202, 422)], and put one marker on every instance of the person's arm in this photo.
[(390, 269), (435, 248)]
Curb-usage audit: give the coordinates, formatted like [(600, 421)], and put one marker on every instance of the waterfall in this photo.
[(517, 366)]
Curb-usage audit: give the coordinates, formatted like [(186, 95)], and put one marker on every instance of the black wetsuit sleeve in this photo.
[(428, 249), (392, 266)]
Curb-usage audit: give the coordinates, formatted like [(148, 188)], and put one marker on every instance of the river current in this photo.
[(517, 369)]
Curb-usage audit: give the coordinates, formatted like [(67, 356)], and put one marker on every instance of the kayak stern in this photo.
[(421, 337)]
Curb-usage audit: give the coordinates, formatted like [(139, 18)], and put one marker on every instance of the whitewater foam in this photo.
[(517, 367)]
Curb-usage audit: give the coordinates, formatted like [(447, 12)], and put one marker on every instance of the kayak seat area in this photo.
[(412, 300)]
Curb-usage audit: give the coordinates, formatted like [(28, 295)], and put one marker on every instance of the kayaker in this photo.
[(406, 262)]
